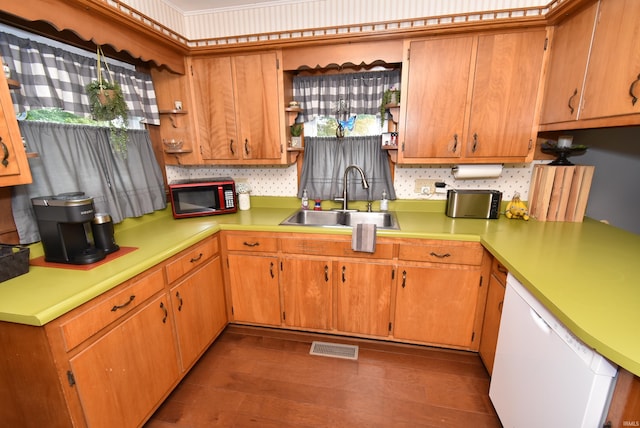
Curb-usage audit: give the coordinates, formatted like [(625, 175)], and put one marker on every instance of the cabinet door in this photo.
[(307, 292), (436, 98), (258, 115), (215, 108), (436, 305), (567, 65), (199, 311), (14, 167), (363, 298), (613, 75), (127, 372), (255, 293), (505, 90), (491, 325)]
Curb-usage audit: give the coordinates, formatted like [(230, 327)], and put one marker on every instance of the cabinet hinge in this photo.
[(281, 267), (530, 143), (277, 63), (408, 54), (480, 285), (281, 149), (231, 310), (390, 325), (71, 378), (191, 67), (546, 43), (403, 146), (393, 274)]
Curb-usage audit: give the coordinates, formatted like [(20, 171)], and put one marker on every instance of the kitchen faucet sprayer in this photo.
[(345, 197)]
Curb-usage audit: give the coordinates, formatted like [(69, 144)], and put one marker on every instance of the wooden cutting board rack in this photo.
[(560, 193)]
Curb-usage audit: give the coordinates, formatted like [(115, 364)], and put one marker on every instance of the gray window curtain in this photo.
[(325, 160), (75, 158), (54, 78), (360, 93)]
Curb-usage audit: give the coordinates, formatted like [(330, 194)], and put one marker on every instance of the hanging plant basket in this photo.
[(107, 104)]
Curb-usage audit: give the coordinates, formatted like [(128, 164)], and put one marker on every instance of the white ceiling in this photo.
[(195, 6)]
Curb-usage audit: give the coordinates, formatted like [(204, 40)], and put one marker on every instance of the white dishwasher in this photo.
[(543, 375)]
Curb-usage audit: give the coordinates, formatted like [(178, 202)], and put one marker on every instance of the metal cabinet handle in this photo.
[(502, 269), (179, 300), (500, 306), (440, 256), (164, 310), (233, 152), (455, 143), (5, 153), (344, 270), (634, 99), (196, 259), (246, 146), (475, 143), (326, 273), (271, 271), (251, 244), (128, 302), (404, 278), (570, 103)]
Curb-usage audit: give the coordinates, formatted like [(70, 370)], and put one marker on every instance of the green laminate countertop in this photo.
[(587, 274)]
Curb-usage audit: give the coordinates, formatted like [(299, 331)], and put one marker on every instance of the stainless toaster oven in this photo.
[(466, 203)]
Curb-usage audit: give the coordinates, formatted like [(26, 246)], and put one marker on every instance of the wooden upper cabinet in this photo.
[(613, 76), (569, 52), (471, 99), (436, 98), (14, 167), (238, 102)]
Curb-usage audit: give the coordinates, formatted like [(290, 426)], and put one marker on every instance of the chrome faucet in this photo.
[(345, 196)]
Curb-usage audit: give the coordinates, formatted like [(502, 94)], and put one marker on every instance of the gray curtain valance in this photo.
[(76, 158), (51, 77), (355, 93)]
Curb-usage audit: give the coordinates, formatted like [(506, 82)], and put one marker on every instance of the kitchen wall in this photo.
[(283, 181)]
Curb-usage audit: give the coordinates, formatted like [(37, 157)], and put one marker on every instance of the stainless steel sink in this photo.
[(338, 218)]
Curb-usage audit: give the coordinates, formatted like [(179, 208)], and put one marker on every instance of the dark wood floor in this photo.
[(265, 378)]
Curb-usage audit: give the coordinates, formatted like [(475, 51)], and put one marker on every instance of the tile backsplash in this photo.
[(283, 181)]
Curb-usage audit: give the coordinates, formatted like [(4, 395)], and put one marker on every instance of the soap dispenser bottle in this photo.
[(384, 202), (305, 200)]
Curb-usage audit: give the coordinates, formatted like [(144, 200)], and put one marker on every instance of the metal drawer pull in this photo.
[(440, 256), (455, 143), (502, 269), (166, 313), (5, 153), (179, 300), (570, 103), (475, 143), (404, 278), (233, 152), (634, 99), (128, 302), (271, 270), (195, 259), (326, 273), (246, 146), (344, 278), (250, 244)]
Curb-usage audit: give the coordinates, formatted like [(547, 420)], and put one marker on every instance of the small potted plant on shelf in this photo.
[(390, 97), (107, 104), (296, 134)]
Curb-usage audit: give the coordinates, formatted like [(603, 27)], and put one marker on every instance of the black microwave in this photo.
[(195, 198)]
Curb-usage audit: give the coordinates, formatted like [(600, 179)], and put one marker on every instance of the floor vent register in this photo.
[(335, 350)]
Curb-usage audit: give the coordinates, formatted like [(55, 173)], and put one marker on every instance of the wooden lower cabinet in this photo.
[(492, 314), (255, 290), (364, 298), (437, 305), (128, 371), (199, 311), (307, 293)]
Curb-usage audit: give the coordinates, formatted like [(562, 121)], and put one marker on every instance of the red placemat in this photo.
[(39, 261)]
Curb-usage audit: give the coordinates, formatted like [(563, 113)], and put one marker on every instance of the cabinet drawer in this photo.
[(251, 242), (332, 246), (191, 259), (108, 309), (455, 252), (499, 271)]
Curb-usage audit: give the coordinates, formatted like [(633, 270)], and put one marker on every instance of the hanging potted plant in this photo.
[(390, 96), (107, 104)]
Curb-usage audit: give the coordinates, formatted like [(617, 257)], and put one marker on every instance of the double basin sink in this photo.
[(338, 218)]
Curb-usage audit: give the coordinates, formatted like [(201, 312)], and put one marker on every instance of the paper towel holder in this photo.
[(476, 171)]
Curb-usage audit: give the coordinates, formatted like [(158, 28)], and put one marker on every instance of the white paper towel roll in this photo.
[(466, 172)]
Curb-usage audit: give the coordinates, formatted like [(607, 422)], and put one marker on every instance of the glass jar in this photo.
[(244, 202)]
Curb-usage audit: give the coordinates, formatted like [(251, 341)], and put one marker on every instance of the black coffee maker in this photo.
[(64, 222)]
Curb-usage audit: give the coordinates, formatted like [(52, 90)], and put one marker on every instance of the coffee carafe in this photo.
[(64, 222)]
